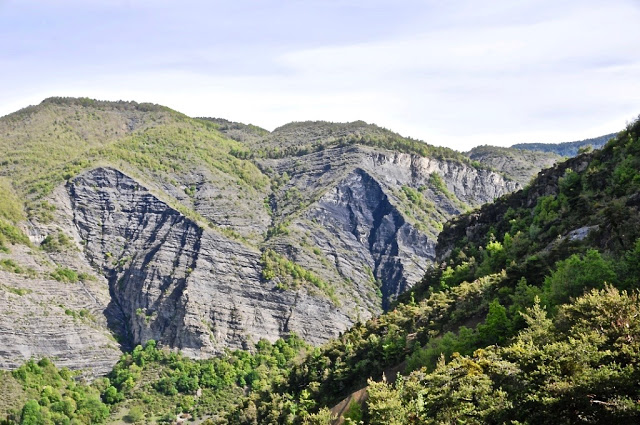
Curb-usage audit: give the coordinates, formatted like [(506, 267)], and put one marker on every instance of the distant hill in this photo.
[(517, 164), (568, 149)]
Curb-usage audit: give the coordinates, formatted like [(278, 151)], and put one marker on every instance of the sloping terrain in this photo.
[(373, 213), (518, 164), (205, 234), (522, 162), (529, 314), (567, 149), (182, 285), (531, 280)]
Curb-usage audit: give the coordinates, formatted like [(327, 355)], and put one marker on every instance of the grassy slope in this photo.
[(51, 142), (54, 141)]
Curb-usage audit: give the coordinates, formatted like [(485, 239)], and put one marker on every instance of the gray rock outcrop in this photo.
[(182, 285), (65, 321), (369, 239)]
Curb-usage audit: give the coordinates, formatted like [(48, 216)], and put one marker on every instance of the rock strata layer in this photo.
[(182, 285)]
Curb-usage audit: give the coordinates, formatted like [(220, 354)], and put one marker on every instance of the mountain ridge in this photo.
[(344, 228), (516, 310), (567, 149)]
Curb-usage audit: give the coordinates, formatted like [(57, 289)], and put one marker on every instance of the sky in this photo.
[(456, 73)]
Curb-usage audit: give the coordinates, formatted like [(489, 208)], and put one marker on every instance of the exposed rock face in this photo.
[(165, 277), (470, 185), (195, 289), (378, 242), (40, 316), (136, 239), (362, 220), (473, 226), (183, 286)]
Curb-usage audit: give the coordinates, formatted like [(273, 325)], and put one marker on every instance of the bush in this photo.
[(576, 274), (64, 274), (135, 415), (56, 242)]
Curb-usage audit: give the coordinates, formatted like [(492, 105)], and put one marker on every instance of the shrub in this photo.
[(576, 274), (64, 274)]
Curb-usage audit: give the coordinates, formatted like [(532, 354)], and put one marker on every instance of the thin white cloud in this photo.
[(454, 75)]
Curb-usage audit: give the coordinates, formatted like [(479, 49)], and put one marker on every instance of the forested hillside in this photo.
[(567, 149)]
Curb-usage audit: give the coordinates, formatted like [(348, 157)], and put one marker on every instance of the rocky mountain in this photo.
[(528, 311), (529, 315), (517, 164), (566, 149), (123, 222)]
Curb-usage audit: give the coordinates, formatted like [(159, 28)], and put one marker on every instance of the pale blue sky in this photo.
[(457, 73)]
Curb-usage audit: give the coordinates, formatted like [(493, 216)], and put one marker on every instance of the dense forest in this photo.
[(531, 316)]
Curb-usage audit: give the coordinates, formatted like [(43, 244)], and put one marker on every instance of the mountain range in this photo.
[(202, 234), (132, 228)]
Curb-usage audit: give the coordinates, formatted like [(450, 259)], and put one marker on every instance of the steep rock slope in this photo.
[(203, 242), (519, 165), (373, 213), (52, 301), (182, 285), (43, 316)]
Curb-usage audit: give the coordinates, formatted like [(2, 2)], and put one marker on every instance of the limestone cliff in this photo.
[(185, 286), (373, 214), (164, 229)]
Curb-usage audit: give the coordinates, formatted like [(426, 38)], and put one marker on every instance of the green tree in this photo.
[(111, 395), (31, 413), (497, 325), (576, 274), (135, 415), (385, 405)]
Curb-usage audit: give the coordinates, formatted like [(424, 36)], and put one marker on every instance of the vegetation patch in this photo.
[(11, 266), (80, 314), (16, 291), (11, 209), (65, 274), (57, 242), (10, 234), (149, 384), (290, 275)]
